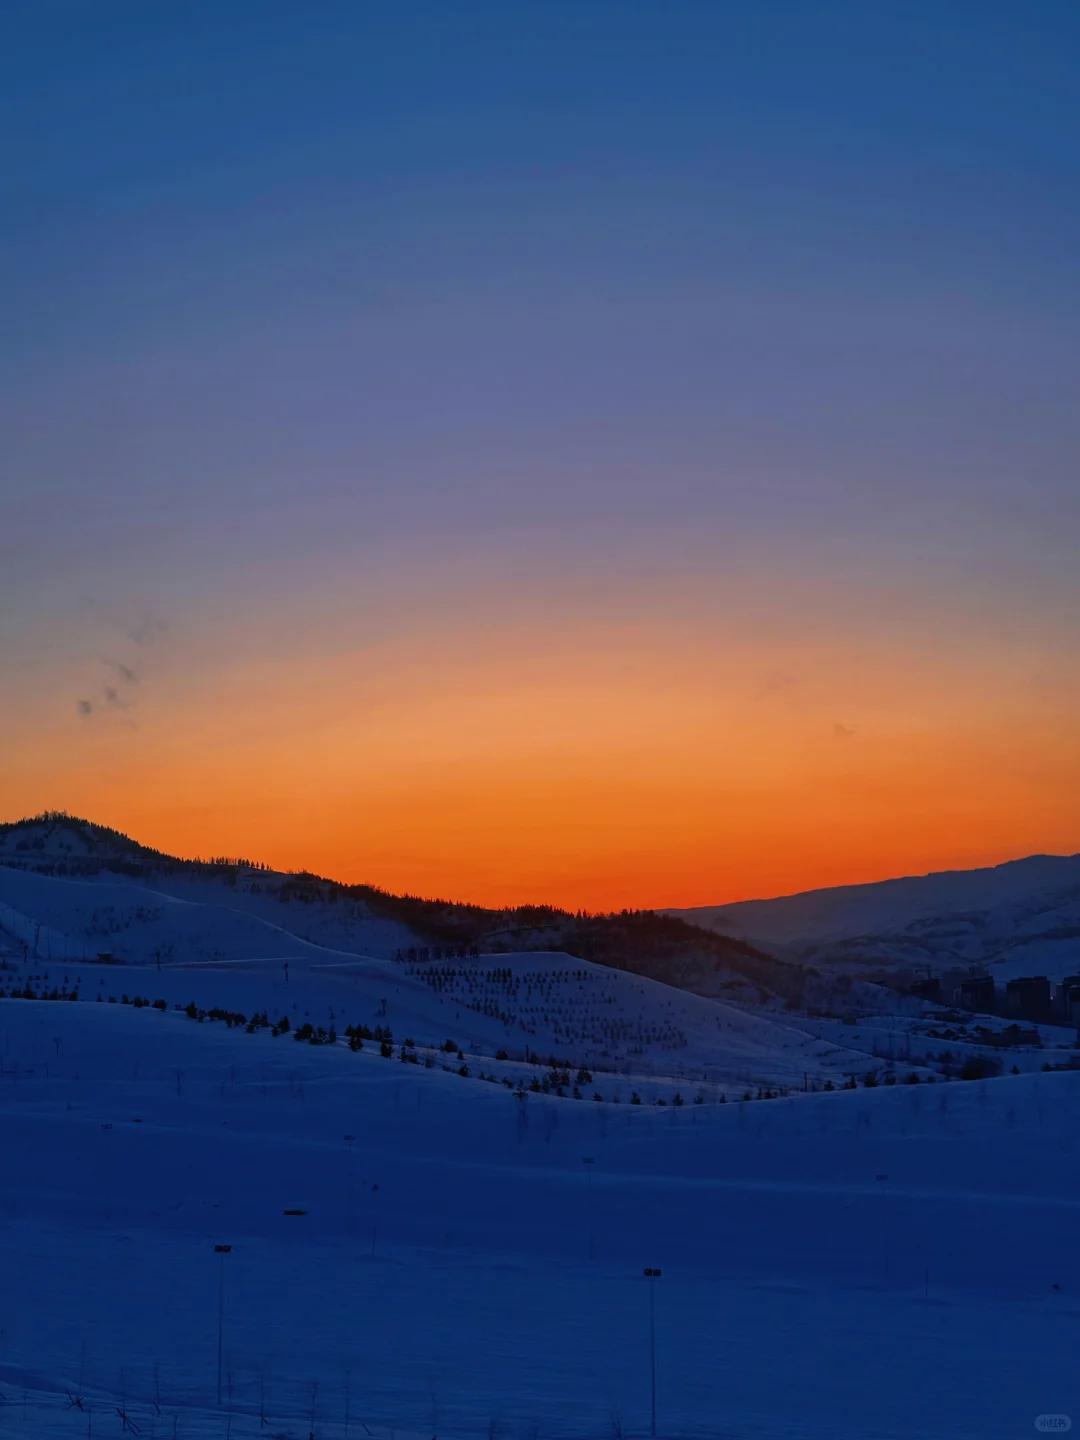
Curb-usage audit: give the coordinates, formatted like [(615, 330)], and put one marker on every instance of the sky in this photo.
[(608, 454)]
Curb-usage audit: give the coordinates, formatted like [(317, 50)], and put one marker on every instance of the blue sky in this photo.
[(363, 319)]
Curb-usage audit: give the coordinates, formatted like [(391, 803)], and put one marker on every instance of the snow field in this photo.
[(803, 1292)]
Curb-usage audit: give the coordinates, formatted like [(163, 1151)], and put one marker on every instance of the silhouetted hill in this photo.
[(659, 946)]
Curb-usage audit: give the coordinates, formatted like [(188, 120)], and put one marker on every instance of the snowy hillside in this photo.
[(1016, 919), (173, 918), (625, 1028), (349, 960), (362, 918), (342, 953)]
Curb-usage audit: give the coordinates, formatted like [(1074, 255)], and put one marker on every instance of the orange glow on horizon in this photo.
[(617, 770)]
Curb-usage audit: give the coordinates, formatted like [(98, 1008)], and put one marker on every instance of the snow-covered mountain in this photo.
[(1019, 918)]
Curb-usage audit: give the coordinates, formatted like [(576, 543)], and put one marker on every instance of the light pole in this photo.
[(652, 1275), (221, 1250), (589, 1161), (349, 1185), (881, 1179)]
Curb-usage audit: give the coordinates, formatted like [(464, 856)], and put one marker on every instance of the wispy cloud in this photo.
[(127, 673), (844, 732), (120, 680), (114, 700)]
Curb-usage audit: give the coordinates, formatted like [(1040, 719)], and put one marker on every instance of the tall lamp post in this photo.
[(589, 1161), (652, 1275), (349, 1185), (222, 1251)]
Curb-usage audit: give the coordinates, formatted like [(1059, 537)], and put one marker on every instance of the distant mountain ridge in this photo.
[(1018, 917)]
